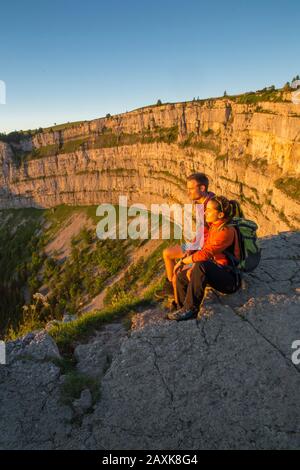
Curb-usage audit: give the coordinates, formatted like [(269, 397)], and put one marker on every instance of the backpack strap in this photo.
[(234, 262)]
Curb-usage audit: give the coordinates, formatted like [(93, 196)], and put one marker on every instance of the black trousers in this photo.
[(190, 293)]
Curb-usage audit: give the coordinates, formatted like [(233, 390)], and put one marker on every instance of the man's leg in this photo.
[(170, 254)]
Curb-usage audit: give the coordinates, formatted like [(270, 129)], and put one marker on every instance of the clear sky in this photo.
[(67, 60)]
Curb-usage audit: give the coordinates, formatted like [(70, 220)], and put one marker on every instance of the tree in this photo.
[(159, 103), (225, 93), (108, 115)]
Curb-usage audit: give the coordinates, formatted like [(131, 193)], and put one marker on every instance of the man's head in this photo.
[(197, 185)]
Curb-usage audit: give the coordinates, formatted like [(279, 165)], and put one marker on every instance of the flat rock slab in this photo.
[(217, 383)]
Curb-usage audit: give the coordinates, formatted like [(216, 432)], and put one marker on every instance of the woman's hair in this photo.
[(230, 208)]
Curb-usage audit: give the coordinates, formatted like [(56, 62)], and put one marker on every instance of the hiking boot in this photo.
[(172, 306), (166, 291), (183, 314)]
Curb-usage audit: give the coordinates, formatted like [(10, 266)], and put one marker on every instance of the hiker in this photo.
[(211, 265), (197, 189)]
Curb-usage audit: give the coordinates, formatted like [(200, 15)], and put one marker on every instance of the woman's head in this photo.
[(220, 208)]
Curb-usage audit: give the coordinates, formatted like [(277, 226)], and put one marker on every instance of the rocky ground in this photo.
[(226, 380)]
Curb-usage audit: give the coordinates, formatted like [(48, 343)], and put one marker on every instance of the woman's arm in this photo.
[(217, 243)]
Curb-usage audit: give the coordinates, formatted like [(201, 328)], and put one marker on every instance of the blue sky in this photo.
[(64, 60)]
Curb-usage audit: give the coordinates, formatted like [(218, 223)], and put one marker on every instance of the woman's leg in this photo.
[(207, 272), (182, 283), (221, 279), (170, 254), (174, 281), (196, 286)]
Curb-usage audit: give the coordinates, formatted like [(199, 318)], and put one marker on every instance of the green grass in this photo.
[(107, 139), (73, 145), (214, 147), (18, 240), (247, 200), (43, 152), (17, 136), (284, 219), (75, 383), (50, 150), (207, 141), (222, 158), (208, 132), (56, 217), (260, 109), (20, 156), (275, 96), (188, 141), (66, 335), (67, 365), (22, 258), (289, 186), (142, 274), (80, 277), (111, 139), (19, 261), (84, 272), (64, 126), (260, 163), (121, 301)]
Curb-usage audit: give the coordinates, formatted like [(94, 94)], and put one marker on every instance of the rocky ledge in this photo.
[(224, 381)]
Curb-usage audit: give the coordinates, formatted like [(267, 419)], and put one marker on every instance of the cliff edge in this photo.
[(224, 381)]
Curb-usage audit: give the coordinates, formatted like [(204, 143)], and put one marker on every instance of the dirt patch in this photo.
[(144, 251), (61, 245)]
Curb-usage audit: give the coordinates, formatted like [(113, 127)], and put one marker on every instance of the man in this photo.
[(197, 189)]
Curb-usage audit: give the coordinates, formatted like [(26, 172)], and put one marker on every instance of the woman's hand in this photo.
[(189, 273), (178, 266), (188, 260), (181, 263)]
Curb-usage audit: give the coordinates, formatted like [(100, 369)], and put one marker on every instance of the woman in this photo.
[(211, 265)]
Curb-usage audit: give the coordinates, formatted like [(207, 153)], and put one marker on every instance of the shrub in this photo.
[(290, 186)]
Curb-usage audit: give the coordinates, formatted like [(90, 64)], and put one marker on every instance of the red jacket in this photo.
[(218, 240)]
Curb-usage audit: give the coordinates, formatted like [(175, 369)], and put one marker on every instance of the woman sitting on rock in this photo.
[(211, 265)]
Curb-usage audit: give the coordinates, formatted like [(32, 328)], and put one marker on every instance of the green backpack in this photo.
[(250, 251)]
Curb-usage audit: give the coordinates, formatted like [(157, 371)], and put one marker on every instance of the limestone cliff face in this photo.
[(247, 151)]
